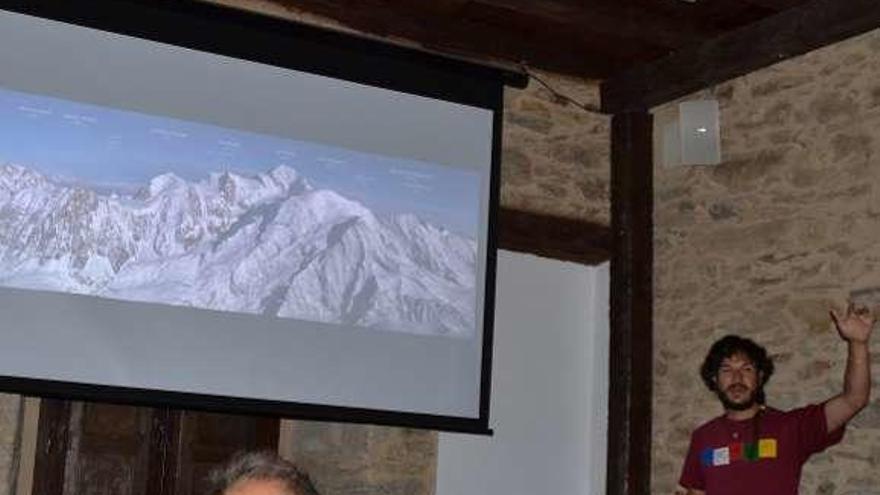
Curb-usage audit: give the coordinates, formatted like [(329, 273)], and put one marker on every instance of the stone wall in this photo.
[(556, 156), (765, 243), (10, 441), (345, 459)]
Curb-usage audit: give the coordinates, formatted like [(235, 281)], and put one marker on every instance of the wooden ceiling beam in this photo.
[(812, 25), (615, 19), (777, 5), (554, 237), (712, 16), (476, 31), (444, 7)]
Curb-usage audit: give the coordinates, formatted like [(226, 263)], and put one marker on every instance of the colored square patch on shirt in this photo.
[(767, 448), (750, 451), (736, 451), (706, 457), (721, 457)]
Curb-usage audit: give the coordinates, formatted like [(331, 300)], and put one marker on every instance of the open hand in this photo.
[(855, 325)]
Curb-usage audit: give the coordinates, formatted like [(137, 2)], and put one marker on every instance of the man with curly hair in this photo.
[(757, 450), (260, 473)]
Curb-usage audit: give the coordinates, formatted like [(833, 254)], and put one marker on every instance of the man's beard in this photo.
[(737, 406)]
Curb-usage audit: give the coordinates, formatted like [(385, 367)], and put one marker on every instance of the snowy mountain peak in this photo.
[(13, 169), (163, 183), (228, 184), (16, 177), (289, 179), (408, 221), (328, 201)]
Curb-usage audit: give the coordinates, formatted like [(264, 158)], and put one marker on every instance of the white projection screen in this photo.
[(207, 209)]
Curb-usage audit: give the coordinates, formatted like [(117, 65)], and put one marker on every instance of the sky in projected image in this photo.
[(139, 207)]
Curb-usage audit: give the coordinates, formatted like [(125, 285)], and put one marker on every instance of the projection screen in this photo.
[(193, 220)]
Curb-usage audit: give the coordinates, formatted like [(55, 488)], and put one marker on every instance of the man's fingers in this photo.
[(834, 317)]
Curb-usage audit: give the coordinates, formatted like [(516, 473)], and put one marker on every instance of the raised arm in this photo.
[(855, 328)]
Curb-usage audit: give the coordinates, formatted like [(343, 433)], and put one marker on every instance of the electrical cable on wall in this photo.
[(587, 107)]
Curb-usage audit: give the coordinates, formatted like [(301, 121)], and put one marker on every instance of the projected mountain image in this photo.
[(142, 207), (270, 244)]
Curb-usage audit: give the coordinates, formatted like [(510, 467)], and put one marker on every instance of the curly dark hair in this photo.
[(728, 346), (265, 466)]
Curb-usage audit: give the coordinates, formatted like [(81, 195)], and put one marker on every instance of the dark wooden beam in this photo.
[(777, 5), (618, 19), (812, 25), (163, 469), (554, 237), (52, 442), (631, 346), (487, 32)]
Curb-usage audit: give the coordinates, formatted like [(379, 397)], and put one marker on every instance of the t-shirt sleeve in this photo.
[(692, 473), (813, 436)]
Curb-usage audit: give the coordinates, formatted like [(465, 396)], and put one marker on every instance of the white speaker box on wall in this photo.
[(688, 134), (699, 132)]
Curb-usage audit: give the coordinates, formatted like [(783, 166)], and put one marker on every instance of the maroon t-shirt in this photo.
[(725, 459)]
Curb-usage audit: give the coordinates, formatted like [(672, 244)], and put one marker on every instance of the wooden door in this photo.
[(209, 439), (86, 448)]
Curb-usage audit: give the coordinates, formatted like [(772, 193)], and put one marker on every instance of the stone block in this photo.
[(364, 459)]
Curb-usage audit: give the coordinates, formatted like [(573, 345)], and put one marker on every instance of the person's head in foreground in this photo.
[(260, 473)]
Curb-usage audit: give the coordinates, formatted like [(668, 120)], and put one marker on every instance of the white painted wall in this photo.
[(549, 387)]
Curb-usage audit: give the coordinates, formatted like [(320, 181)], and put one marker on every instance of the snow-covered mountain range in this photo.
[(268, 244)]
